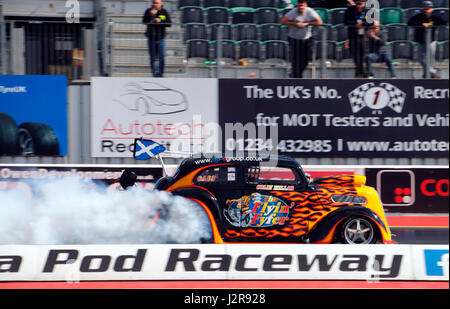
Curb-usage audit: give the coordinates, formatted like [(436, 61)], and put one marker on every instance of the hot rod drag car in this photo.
[(248, 202)]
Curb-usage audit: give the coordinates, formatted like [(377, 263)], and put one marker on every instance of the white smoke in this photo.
[(76, 211)]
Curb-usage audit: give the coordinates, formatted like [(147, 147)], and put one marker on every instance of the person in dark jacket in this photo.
[(157, 20), (379, 52), (356, 20), (423, 20)]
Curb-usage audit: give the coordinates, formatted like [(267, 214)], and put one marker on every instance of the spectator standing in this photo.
[(355, 19), (421, 21), (299, 20), (379, 52), (157, 20)]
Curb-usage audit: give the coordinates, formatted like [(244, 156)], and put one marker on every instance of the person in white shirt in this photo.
[(299, 20)]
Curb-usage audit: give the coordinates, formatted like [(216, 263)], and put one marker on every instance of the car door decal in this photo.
[(305, 209), (256, 210)]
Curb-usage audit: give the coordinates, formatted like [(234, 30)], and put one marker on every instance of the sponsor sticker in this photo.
[(256, 210)]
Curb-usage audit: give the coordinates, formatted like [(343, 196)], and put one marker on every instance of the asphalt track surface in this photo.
[(423, 229)]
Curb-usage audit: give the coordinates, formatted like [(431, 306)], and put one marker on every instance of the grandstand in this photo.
[(249, 30)]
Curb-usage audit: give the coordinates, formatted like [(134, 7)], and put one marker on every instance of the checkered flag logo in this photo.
[(391, 96), (396, 97), (356, 97)]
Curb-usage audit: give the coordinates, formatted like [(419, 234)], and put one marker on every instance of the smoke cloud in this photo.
[(77, 211)]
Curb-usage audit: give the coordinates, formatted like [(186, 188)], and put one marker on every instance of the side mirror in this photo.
[(308, 177)]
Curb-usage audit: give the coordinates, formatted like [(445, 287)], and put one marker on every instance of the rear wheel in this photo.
[(358, 230)]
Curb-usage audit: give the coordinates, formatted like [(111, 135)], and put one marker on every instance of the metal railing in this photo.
[(329, 53), (82, 50)]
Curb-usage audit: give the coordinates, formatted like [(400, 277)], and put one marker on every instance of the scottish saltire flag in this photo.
[(146, 149)]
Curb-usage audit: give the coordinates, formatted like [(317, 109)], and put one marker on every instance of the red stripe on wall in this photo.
[(419, 221), (228, 285)]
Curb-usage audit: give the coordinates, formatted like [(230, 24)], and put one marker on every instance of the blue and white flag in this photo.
[(146, 149)]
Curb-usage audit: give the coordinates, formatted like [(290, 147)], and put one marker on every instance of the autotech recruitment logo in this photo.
[(377, 97), (436, 262), (147, 98)]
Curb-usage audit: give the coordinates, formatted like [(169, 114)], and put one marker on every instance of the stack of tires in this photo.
[(27, 139)]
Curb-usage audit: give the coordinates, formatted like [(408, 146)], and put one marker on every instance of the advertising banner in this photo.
[(24, 178), (340, 118), (33, 115), (171, 111), (76, 263), (411, 190)]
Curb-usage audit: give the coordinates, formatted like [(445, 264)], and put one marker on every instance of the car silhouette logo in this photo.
[(152, 98)]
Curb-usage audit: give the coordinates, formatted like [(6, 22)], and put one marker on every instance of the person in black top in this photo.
[(423, 20), (379, 52), (157, 20), (356, 19)]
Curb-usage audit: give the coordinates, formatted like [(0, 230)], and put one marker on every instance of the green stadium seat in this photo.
[(194, 31), (210, 3), (406, 4), (191, 14), (323, 13), (249, 49), (442, 13), (387, 3), (403, 49), (262, 3), (275, 49), (226, 31), (197, 49), (183, 3), (391, 16), (242, 15), (238, 3), (409, 13), (228, 49), (271, 32), (216, 14), (267, 15), (246, 32), (397, 32), (336, 16)]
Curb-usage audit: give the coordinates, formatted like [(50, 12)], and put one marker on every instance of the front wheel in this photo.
[(358, 230)]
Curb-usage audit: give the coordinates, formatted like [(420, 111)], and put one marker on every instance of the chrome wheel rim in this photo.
[(358, 231)]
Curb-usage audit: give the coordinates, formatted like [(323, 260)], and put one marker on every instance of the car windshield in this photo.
[(264, 174)]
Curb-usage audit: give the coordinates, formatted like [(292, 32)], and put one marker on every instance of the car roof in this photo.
[(200, 160)]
